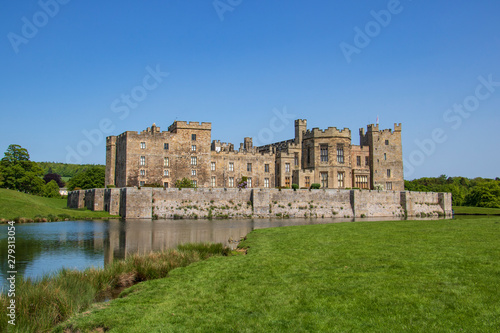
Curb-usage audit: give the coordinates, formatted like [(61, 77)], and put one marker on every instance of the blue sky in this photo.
[(73, 72)]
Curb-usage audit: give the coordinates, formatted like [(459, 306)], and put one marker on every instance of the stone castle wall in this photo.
[(167, 203)]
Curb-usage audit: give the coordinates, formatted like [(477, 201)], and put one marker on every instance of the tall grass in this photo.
[(42, 304)]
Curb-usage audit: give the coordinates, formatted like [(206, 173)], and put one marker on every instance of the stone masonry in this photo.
[(166, 203), (326, 157)]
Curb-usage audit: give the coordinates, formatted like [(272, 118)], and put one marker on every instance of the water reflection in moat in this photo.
[(45, 248)]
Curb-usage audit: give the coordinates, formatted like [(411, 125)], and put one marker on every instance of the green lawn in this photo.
[(417, 276), (15, 204), (476, 210)]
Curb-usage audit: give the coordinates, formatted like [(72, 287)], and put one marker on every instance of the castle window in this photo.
[(386, 142), (193, 137), (165, 184), (212, 166), (266, 182), (143, 172), (308, 181), (385, 157), (141, 183), (308, 155), (193, 172), (165, 173), (362, 181), (195, 183), (143, 145), (143, 160), (388, 173), (324, 179), (165, 146), (249, 182), (231, 181), (166, 162), (324, 153), (266, 167), (287, 181), (388, 186), (194, 160), (340, 154), (366, 161), (340, 177), (193, 148), (296, 159), (358, 160), (249, 167), (287, 167), (231, 166), (213, 181)]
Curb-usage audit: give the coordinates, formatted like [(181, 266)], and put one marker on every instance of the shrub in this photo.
[(315, 186), (295, 187)]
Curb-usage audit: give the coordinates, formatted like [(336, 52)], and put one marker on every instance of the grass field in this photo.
[(417, 276), (15, 205), (476, 211)]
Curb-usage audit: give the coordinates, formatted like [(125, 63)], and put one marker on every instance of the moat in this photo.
[(45, 248)]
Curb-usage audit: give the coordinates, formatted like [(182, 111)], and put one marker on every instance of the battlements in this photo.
[(240, 153), (375, 128), (110, 140), (217, 145), (189, 125), (327, 133)]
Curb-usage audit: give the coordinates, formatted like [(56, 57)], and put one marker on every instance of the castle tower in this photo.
[(300, 128), (110, 160), (386, 157)]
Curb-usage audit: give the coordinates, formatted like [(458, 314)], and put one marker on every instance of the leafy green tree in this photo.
[(19, 173), (184, 183), (485, 194), (16, 153), (51, 190), (92, 177)]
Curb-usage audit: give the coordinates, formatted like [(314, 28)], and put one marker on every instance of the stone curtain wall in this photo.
[(132, 202)]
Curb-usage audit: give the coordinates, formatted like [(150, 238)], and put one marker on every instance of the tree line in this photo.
[(18, 172), (476, 192)]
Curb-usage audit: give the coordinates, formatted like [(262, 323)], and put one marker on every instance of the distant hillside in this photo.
[(64, 169)]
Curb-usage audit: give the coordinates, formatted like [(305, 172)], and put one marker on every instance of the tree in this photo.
[(92, 177), (184, 183), (19, 173), (51, 190), (53, 176), (485, 194), (16, 153)]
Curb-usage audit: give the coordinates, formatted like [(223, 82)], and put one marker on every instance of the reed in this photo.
[(43, 303)]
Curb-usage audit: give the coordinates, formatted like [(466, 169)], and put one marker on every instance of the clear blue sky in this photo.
[(69, 69)]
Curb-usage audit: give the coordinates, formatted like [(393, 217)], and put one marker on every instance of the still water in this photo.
[(45, 248)]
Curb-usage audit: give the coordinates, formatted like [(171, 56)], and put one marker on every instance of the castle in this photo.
[(319, 156)]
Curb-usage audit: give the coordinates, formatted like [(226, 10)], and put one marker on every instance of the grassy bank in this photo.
[(26, 208), (476, 211), (425, 276), (42, 304)]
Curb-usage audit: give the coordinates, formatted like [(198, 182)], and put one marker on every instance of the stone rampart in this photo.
[(168, 203)]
